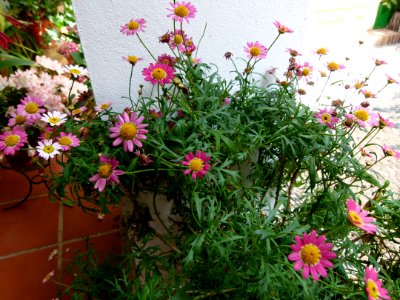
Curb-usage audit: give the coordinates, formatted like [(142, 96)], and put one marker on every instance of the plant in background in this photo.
[(231, 186)]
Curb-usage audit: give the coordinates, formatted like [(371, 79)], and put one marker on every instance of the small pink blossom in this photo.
[(326, 117), (158, 73), (364, 116), (359, 217), (197, 165), (133, 26), (12, 141), (107, 173), (282, 28), (182, 11), (256, 50), (68, 140), (32, 107), (385, 122), (390, 152), (373, 285), (311, 253), (166, 60), (129, 130)]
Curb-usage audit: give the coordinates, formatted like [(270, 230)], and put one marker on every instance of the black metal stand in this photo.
[(37, 179)]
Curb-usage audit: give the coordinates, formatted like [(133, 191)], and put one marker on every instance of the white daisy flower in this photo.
[(54, 118), (75, 70), (48, 149)]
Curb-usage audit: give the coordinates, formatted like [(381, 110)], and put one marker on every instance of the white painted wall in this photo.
[(230, 24)]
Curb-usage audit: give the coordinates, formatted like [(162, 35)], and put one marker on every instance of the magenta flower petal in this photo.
[(197, 164), (312, 254), (357, 216)]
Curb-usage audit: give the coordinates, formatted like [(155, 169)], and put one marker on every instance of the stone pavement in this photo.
[(339, 26)]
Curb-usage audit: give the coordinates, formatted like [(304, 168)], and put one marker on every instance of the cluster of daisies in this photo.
[(313, 255), (34, 113)]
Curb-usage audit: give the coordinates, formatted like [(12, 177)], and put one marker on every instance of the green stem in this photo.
[(130, 84), (144, 45), (69, 93), (274, 41)]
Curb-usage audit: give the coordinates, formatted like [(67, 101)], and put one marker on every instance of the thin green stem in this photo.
[(130, 85), (144, 45)]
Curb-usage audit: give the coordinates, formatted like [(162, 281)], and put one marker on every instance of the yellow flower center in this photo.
[(105, 170), (76, 111), (322, 51), (178, 39), (31, 108), (158, 74), (367, 94), (355, 218), (20, 119), (326, 117), (128, 131), (323, 74), (332, 66), (255, 51), (389, 152), (133, 25), (54, 120), (12, 140), (48, 149), (104, 106), (75, 71), (310, 254), (181, 11), (358, 85), (65, 141), (362, 115), (196, 164), (133, 59), (305, 72), (372, 289)]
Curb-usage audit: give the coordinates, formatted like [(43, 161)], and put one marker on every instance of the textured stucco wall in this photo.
[(230, 24)]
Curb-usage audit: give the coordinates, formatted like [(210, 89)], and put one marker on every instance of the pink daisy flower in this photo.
[(359, 217), (129, 130), (326, 117), (12, 141), (107, 173), (305, 70), (293, 52), (158, 73), (132, 59), (256, 50), (187, 47), (321, 51), (32, 108), (368, 94), (282, 28), (198, 165), (18, 118), (385, 122), (365, 153), (380, 62), (182, 11), (133, 26), (390, 152), (364, 116), (333, 66), (166, 59), (176, 38), (391, 80), (312, 254), (373, 285), (68, 140)]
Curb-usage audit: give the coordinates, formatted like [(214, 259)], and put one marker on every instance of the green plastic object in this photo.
[(382, 16)]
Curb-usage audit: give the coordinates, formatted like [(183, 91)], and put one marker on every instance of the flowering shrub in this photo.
[(257, 185)]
